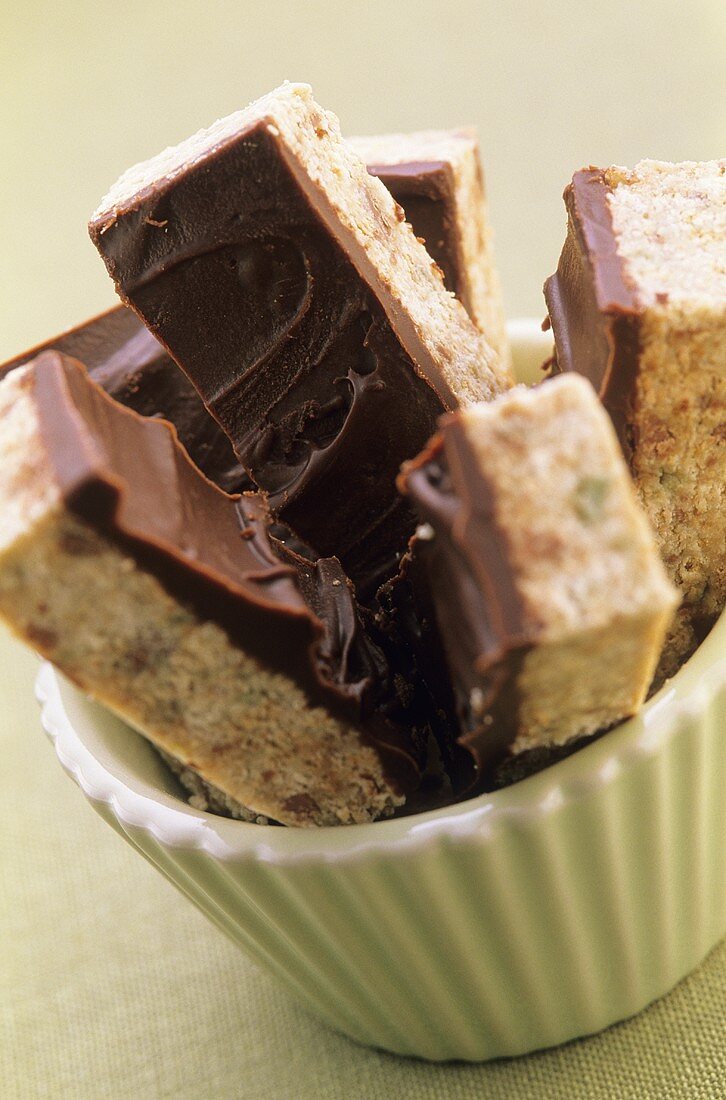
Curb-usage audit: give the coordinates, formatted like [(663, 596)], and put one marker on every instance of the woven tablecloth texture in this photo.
[(114, 986)]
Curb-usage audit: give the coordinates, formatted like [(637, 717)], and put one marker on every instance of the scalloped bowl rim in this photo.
[(136, 803)]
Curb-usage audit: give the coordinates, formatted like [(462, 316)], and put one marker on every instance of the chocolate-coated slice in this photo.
[(284, 281), (130, 364), (638, 305), (169, 600), (549, 593)]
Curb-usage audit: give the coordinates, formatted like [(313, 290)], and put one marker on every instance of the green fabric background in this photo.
[(114, 986)]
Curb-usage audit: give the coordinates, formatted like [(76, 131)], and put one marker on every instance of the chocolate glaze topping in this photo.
[(291, 348), (478, 608), (593, 309), (131, 365), (425, 190), (127, 476)]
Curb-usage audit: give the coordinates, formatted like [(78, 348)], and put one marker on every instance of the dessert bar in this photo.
[(285, 281), (638, 305), (549, 593), (169, 601)]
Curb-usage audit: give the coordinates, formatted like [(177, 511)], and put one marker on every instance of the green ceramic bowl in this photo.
[(512, 921)]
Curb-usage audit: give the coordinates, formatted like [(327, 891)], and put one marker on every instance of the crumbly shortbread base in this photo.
[(114, 630), (595, 597), (358, 210), (458, 150), (205, 796), (670, 223), (679, 463), (589, 681)]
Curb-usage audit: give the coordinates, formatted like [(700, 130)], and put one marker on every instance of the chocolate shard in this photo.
[(549, 593), (436, 177), (408, 632), (130, 364), (169, 601), (638, 305), (284, 281)]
